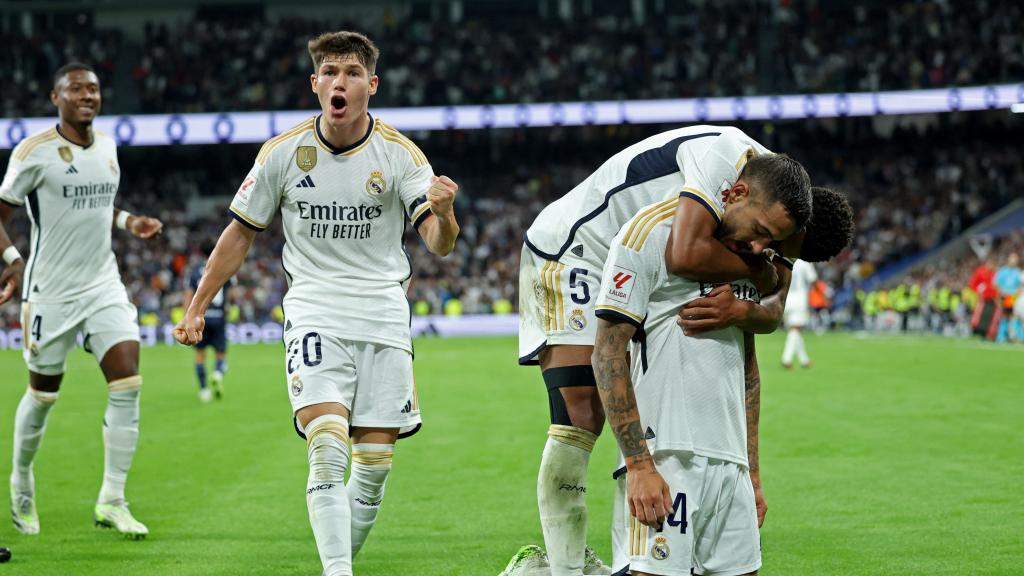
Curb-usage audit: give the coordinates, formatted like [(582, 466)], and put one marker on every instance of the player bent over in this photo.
[(689, 170), (344, 183), (67, 178)]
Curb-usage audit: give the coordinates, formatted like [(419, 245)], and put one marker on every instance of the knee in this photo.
[(573, 399), (327, 448), (45, 383)]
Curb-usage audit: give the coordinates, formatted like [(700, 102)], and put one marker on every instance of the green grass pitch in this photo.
[(890, 456)]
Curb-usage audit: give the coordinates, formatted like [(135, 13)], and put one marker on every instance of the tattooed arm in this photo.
[(753, 394), (647, 492)]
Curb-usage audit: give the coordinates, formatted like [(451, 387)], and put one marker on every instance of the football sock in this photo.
[(790, 348), (221, 365), (120, 436), (326, 496), (201, 374), (801, 350), (29, 426), (561, 497), (371, 464)]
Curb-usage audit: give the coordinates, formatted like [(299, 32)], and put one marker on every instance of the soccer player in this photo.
[(685, 412), (67, 177), (345, 183), (798, 313), (560, 270), (214, 333)]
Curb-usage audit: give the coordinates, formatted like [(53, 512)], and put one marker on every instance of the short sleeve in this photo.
[(630, 275), (259, 196), (22, 177), (413, 174), (709, 170)]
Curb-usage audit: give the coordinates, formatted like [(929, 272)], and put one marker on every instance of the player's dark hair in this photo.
[(784, 180), (341, 44), (830, 229), (70, 67)]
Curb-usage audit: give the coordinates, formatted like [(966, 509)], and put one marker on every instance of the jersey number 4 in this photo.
[(678, 507)]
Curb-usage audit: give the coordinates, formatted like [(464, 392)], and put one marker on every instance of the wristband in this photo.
[(122, 219), (11, 254)]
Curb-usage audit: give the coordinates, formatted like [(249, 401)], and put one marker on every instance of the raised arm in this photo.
[(439, 233), (647, 492), (753, 407), (224, 262)]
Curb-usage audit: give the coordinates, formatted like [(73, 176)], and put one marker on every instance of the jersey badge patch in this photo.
[(305, 157), (577, 319), (659, 551), (243, 191), (296, 385), (65, 154), (113, 168), (622, 284), (375, 184)]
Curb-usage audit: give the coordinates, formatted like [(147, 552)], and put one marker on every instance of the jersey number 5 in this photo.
[(575, 282)]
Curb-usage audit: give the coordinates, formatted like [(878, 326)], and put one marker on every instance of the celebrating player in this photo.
[(214, 333), (562, 260), (68, 177), (686, 411), (344, 183)]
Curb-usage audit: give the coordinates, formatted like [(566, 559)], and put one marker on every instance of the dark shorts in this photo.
[(215, 335)]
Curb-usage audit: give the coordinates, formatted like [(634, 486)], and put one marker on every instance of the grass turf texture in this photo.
[(890, 456)]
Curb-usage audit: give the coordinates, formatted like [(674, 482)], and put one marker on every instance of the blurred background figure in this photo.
[(797, 315)]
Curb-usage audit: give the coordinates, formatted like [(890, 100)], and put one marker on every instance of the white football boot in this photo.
[(118, 517), (530, 560), (592, 565), (23, 512)]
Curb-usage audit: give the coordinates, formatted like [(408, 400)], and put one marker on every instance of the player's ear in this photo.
[(374, 83), (53, 96), (739, 192), (312, 82)]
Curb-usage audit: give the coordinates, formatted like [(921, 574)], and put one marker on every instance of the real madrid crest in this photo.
[(296, 385), (65, 154), (305, 158), (577, 319), (659, 551), (113, 168), (375, 185)]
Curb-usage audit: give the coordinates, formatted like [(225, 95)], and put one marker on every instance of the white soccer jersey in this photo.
[(804, 276), (689, 389), (699, 162), (343, 212), (69, 191)]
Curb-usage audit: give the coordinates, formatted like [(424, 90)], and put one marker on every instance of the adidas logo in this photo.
[(71, 170), (287, 325), (578, 250), (306, 182), (408, 407), (649, 435)]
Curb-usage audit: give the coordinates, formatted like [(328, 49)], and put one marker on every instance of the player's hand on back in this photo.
[(10, 280), (763, 274), (441, 195), (650, 501), (190, 330), (145, 227)]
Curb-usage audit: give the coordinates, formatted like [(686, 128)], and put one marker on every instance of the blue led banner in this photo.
[(256, 127)]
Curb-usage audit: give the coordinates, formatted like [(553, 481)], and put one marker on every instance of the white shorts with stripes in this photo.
[(556, 301), (712, 530)]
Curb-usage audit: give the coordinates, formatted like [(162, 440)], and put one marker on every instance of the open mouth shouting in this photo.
[(338, 106)]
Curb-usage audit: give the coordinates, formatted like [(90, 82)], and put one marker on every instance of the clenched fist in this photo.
[(190, 330), (441, 196)]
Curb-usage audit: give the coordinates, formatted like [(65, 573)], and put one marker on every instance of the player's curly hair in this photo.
[(343, 43), (831, 228), (784, 180)]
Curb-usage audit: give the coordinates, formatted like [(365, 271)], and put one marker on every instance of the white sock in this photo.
[(326, 496), (371, 464), (790, 348), (801, 349), (29, 427), (120, 436), (561, 497)]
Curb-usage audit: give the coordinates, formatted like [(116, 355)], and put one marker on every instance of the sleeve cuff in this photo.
[(618, 314), (246, 221), (784, 261), (419, 211), (700, 199), (10, 202)]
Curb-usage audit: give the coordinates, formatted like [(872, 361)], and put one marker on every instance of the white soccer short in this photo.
[(104, 318), (556, 301), (796, 316), (373, 381), (712, 530)]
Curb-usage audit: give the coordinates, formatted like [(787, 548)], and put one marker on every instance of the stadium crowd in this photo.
[(246, 60)]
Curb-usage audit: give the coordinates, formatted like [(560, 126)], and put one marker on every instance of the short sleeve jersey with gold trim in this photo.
[(689, 389), (698, 162), (69, 192), (344, 213)]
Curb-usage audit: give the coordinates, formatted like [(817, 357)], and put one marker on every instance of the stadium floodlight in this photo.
[(1017, 108), (257, 127)]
